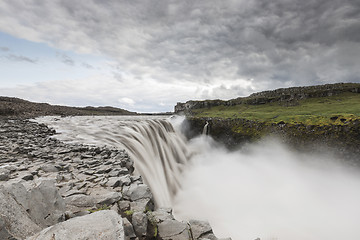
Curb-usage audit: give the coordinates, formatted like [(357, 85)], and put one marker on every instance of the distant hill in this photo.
[(16, 107)]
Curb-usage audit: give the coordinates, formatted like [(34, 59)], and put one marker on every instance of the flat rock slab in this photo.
[(104, 225), (174, 230)]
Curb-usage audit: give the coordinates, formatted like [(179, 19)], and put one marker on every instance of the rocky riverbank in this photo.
[(52, 190)]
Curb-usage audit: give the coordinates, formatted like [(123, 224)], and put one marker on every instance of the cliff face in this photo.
[(331, 129)]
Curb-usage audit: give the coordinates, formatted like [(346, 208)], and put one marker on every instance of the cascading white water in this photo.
[(263, 191), (159, 153)]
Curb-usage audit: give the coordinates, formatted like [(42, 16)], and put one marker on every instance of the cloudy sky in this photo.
[(147, 55)]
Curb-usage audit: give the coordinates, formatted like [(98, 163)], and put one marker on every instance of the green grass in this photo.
[(308, 111)]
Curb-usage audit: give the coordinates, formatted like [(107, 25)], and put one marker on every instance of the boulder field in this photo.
[(51, 190)]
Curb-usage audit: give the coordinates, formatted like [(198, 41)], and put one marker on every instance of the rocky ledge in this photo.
[(52, 190)]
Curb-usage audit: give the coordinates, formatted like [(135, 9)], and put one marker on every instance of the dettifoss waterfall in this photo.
[(263, 190)]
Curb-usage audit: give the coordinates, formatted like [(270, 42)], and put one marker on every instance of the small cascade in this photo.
[(206, 129)]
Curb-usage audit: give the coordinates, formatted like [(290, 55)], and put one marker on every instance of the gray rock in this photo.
[(49, 168), (172, 229), (129, 230), (200, 228), (108, 198), (4, 174), (142, 205), (161, 215), (28, 177), (139, 222), (136, 192), (46, 206), (15, 223), (104, 225), (19, 193), (113, 182), (124, 205), (125, 180), (81, 201)]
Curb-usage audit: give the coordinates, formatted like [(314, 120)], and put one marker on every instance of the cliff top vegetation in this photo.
[(336, 109)]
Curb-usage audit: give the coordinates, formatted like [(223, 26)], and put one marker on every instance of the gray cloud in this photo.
[(4, 49), (86, 65), (274, 43), (19, 58), (65, 59)]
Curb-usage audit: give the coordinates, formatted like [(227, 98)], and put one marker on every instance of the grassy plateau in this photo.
[(339, 109)]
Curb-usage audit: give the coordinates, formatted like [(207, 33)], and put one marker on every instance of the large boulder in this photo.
[(15, 223), (104, 225), (46, 206)]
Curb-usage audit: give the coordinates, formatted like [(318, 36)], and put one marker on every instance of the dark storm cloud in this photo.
[(19, 58), (261, 44)]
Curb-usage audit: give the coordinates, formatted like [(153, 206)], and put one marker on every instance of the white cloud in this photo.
[(127, 101)]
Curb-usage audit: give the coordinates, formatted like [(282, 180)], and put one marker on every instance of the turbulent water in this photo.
[(262, 191)]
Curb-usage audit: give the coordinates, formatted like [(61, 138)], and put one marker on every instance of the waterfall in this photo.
[(159, 154), (158, 150), (206, 129)]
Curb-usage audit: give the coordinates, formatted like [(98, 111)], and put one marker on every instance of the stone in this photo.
[(125, 180), (139, 222), (124, 205), (4, 174), (128, 229), (172, 229), (161, 215), (142, 205), (200, 228), (81, 201), (49, 168), (108, 198), (46, 206), (105, 225), (19, 193), (28, 177), (113, 182), (15, 223), (136, 192)]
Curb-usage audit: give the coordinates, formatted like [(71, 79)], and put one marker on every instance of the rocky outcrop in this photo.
[(74, 191), (286, 96)]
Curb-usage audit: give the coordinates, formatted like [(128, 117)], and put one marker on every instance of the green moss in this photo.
[(103, 207), (129, 212)]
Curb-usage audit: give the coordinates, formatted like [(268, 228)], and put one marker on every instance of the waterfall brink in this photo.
[(159, 153)]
